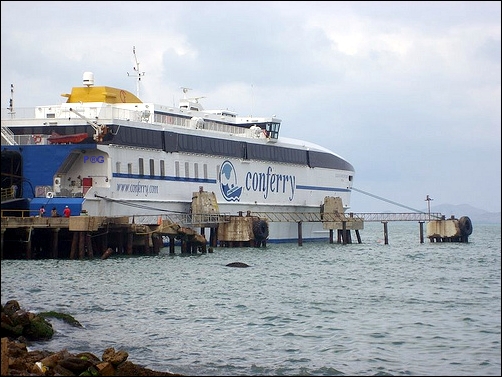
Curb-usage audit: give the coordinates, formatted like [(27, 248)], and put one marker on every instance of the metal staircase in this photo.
[(7, 136)]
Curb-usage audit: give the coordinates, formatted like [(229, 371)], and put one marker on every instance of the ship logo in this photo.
[(228, 182)]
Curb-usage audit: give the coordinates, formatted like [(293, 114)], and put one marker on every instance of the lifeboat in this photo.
[(56, 138)]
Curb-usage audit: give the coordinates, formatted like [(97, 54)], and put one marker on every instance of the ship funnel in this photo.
[(88, 79)]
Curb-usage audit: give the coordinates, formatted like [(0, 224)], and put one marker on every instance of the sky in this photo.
[(408, 92)]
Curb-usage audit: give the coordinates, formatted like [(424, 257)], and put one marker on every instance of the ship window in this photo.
[(273, 130), (205, 171), (141, 167), (139, 137), (187, 170), (152, 167), (129, 168), (218, 173), (162, 168), (177, 168), (196, 170), (327, 160), (278, 154), (117, 167)]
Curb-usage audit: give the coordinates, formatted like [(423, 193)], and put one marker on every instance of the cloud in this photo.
[(408, 92)]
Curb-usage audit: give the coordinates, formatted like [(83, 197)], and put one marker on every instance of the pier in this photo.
[(24, 235), (351, 221), (80, 237)]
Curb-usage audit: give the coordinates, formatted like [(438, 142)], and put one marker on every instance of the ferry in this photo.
[(104, 152)]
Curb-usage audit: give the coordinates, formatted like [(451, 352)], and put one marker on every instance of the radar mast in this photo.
[(138, 74), (11, 101)]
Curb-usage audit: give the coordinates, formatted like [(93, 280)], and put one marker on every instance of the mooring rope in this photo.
[(142, 206), (386, 200)]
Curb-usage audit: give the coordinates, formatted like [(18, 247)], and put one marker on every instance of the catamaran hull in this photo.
[(95, 179)]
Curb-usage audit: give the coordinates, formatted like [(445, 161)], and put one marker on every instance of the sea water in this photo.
[(369, 308)]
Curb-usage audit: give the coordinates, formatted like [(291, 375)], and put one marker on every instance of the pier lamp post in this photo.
[(428, 200)]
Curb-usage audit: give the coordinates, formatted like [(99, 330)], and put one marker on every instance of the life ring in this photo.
[(37, 139), (49, 195), (260, 230), (465, 225)]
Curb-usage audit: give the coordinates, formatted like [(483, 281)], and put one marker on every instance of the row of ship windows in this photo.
[(162, 169), (169, 141)]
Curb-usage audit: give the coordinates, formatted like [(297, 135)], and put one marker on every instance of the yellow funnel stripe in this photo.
[(100, 94)]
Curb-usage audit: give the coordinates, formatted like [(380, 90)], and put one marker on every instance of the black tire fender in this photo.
[(260, 229), (465, 225)]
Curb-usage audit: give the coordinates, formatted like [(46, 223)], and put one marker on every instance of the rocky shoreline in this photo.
[(19, 327)]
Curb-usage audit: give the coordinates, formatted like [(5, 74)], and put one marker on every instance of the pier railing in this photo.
[(183, 219), (208, 220), (412, 216), (320, 217)]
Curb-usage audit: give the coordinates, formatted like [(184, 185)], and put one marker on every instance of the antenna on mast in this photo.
[(11, 101), (138, 74), (185, 91), (428, 200)]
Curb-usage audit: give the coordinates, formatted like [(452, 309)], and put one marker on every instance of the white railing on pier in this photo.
[(319, 217), (183, 219)]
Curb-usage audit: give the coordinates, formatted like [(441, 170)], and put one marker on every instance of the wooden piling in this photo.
[(29, 232), (55, 242), (74, 245), (81, 245), (130, 240), (385, 233), (358, 236), (171, 245)]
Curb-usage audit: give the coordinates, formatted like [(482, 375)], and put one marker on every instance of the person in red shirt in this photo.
[(66, 212)]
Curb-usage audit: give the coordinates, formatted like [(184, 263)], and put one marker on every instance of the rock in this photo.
[(62, 316), (114, 358), (4, 357), (89, 356), (52, 360), (20, 317), (18, 361), (17, 322), (38, 329), (75, 364), (62, 371), (11, 307), (105, 369)]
